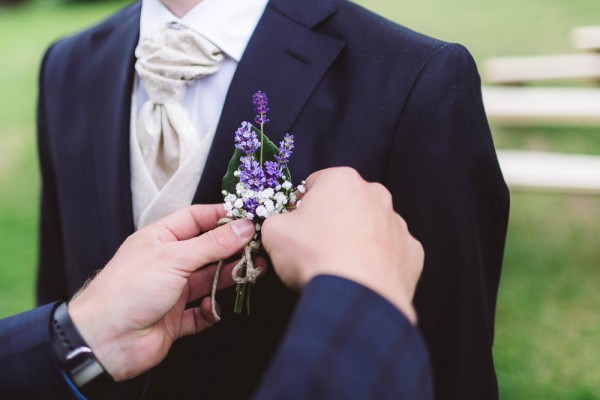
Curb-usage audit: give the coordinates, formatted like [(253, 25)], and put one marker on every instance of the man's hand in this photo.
[(133, 311), (347, 227)]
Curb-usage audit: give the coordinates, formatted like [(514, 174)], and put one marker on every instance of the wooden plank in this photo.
[(507, 70), (556, 106), (586, 38), (554, 172)]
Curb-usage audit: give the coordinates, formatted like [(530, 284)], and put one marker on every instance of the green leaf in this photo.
[(269, 151)]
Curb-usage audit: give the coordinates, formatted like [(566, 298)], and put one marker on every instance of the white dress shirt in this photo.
[(229, 24)]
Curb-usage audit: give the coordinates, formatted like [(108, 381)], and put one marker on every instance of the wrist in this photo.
[(96, 332), (75, 356), (388, 287), (116, 346)]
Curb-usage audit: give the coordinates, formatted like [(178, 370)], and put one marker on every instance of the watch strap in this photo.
[(76, 357)]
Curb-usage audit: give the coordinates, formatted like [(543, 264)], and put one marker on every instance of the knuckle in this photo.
[(347, 173), (402, 223), (418, 246), (218, 239), (419, 252), (162, 254), (383, 193)]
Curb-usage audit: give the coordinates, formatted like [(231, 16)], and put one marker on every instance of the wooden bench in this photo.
[(569, 173), (556, 106), (515, 70), (586, 38)]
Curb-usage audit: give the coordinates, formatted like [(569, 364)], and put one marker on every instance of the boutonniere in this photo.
[(257, 185)]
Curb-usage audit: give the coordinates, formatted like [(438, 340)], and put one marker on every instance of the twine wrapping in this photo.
[(246, 263)]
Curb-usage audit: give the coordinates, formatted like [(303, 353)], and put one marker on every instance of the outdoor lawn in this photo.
[(548, 315)]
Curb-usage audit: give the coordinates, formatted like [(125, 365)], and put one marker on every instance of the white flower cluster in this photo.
[(270, 201)]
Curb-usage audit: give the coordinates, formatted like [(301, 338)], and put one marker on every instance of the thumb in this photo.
[(216, 244)]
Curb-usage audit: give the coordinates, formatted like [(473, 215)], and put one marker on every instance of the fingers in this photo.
[(189, 222), (214, 245), (197, 319), (201, 281)]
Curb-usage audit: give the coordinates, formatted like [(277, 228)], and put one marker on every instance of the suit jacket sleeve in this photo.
[(51, 280), (346, 342), (29, 368), (445, 179)]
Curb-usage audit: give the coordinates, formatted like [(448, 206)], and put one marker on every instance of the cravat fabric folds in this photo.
[(166, 149), (167, 62)]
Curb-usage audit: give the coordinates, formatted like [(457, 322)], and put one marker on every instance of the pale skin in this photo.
[(346, 227), (180, 7), (134, 310)]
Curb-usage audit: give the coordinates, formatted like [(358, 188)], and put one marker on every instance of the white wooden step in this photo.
[(572, 173), (511, 70), (586, 38), (557, 106)]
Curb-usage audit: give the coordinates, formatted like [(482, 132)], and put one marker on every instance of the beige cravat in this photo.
[(167, 62)]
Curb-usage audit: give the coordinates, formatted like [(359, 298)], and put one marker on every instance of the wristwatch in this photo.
[(76, 358)]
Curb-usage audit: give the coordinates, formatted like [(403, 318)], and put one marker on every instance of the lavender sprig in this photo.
[(260, 103), (262, 187), (245, 139)]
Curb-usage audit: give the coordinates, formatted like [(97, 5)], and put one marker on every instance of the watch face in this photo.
[(83, 366), (76, 357)]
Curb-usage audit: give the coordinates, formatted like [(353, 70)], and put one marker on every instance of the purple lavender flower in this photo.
[(260, 102), (273, 173), (251, 174), (251, 205), (246, 139), (285, 149), (261, 119)]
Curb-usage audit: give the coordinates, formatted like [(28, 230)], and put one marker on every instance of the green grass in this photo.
[(548, 323), (25, 32)]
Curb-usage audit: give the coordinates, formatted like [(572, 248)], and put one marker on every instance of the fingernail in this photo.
[(243, 228)]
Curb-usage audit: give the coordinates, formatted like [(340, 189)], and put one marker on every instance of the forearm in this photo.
[(345, 341), (29, 367)]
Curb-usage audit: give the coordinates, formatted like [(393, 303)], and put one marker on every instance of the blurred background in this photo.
[(547, 342)]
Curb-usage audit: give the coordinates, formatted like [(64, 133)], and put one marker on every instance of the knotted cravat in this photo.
[(167, 62)]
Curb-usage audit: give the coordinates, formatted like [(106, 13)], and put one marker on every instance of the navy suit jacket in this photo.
[(343, 342), (356, 90)]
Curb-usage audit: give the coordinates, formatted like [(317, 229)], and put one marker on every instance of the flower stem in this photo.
[(239, 298), (262, 142), (248, 299)]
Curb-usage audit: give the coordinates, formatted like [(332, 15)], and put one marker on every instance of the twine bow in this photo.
[(246, 265)]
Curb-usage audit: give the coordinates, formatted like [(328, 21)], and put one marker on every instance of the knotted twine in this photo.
[(246, 263)]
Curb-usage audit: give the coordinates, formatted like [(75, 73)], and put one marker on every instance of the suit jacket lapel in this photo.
[(110, 85), (286, 59)]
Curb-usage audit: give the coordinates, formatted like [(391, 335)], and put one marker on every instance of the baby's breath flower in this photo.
[(230, 198), (261, 211), (302, 187), (269, 206)]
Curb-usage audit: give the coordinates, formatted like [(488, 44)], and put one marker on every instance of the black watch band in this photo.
[(76, 357)]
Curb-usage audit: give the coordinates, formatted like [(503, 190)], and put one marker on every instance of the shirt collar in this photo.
[(229, 24)]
